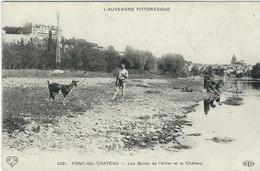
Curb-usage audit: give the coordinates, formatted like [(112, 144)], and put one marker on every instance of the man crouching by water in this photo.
[(121, 81)]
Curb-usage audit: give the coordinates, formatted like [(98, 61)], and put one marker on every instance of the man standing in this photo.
[(121, 81), (208, 77)]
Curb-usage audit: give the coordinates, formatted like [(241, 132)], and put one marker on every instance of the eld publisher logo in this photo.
[(12, 160), (248, 163)]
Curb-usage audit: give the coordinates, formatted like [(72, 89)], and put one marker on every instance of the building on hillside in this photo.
[(42, 31), (29, 33)]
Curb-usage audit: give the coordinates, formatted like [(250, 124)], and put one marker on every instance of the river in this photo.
[(227, 135)]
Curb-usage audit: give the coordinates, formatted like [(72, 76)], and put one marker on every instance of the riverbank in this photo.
[(153, 114), (151, 126), (36, 73)]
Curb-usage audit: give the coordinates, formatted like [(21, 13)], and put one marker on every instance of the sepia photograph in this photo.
[(130, 86)]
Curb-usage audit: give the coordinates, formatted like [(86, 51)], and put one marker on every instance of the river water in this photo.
[(227, 135)]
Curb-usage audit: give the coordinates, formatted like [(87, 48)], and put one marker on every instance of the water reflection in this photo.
[(238, 88), (242, 85), (210, 103)]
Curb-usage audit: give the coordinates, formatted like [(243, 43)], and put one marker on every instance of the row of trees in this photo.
[(78, 54)]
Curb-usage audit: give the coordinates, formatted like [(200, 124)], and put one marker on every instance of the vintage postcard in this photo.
[(99, 86)]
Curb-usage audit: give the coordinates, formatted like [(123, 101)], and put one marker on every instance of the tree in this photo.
[(172, 64), (195, 70), (149, 61), (93, 60), (256, 71), (133, 57), (139, 60), (50, 41), (112, 58), (160, 66), (10, 57), (75, 58)]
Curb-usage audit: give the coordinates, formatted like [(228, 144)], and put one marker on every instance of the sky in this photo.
[(207, 32)]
